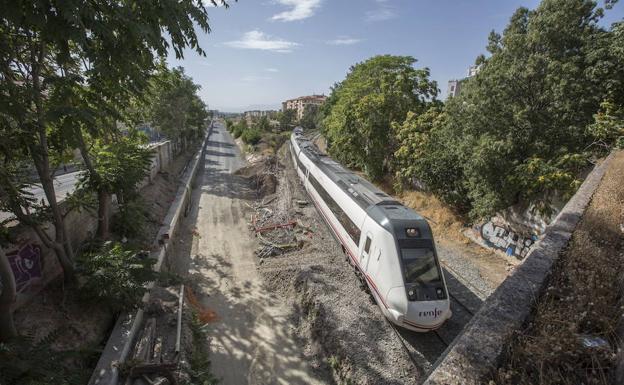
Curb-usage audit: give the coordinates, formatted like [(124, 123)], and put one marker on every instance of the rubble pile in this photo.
[(275, 230), (262, 175), (273, 220)]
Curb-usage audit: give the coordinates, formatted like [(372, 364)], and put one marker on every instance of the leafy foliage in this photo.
[(120, 164), (68, 69), (522, 128), (309, 118), (375, 94), (239, 128), (129, 221), (263, 124), (24, 361), (176, 109), (116, 276), (199, 358), (251, 135), (286, 119)]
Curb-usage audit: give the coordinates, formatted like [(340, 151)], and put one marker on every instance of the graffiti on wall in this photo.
[(26, 265), (502, 238)]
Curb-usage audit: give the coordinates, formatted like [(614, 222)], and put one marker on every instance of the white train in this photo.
[(390, 245)]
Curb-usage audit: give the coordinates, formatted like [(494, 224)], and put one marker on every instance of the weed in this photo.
[(24, 361), (130, 220), (116, 276), (199, 361)]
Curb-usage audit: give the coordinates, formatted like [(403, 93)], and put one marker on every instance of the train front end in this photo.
[(422, 304)]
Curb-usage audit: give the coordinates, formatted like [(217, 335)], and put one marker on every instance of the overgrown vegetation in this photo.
[(572, 336), (174, 106), (26, 361), (70, 77), (259, 131), (130, 219), (199, 360), (116, 276), (376, 93), (547, 100)]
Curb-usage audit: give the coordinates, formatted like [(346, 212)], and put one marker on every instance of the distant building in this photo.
[(473, 70), (299, 104), (454, 86), (259, 113)]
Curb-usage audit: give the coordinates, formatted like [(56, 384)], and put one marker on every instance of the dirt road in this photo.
[(251, 338)]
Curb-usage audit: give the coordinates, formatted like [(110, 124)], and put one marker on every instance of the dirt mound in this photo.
[(261, 175)]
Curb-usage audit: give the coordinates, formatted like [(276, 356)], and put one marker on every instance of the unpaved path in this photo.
[(252, 340)]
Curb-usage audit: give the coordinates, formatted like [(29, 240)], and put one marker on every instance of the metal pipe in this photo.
[(179, 332)]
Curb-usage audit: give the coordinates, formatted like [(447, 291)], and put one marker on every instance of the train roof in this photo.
[(384, 209)]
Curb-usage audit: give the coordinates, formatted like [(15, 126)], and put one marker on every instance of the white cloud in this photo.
[(271, 70), (301, 9), (254, 78), (259, 40), (344, 40), (384, 11)]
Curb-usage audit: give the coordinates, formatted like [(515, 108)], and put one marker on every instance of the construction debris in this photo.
[(205, 314)]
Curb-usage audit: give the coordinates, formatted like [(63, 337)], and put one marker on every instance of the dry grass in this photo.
[(581, 301), (446, 224), (448, 230)]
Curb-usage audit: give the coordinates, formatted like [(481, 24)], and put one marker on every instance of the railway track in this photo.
[(468, 310), (435, 342)]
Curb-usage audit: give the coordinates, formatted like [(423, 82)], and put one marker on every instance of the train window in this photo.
[(303, 168), (346, 222), (420, 267), (367, 245)]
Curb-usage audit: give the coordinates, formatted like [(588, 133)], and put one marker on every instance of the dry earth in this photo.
[(573, 335)]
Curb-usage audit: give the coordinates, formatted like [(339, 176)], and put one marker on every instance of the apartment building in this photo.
[(299, 104)]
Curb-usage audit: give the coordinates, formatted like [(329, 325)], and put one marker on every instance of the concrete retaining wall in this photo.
[(34, 265), (122, 337), (477, 352)]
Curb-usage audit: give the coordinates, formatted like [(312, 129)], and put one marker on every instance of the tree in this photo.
[(375, 93), (7, 298), (518, 132), (64, 64), (120, 164), (177, 110), (263, 124), (286, 119), (308, 120)]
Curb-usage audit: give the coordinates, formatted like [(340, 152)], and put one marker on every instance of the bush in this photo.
[(116, 276), (130, 220), (27, 361), (251, 136)]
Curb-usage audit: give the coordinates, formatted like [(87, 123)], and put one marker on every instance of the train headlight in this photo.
[(412, 232), (440, 293)]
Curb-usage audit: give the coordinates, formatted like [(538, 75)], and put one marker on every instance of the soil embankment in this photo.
[(572, 337)]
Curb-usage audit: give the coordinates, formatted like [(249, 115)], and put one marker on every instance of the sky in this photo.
[(262, 52)]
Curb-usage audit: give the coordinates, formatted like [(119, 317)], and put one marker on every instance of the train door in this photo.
[(366, 250)]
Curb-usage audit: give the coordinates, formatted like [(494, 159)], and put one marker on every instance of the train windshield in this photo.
[(420, 267)]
